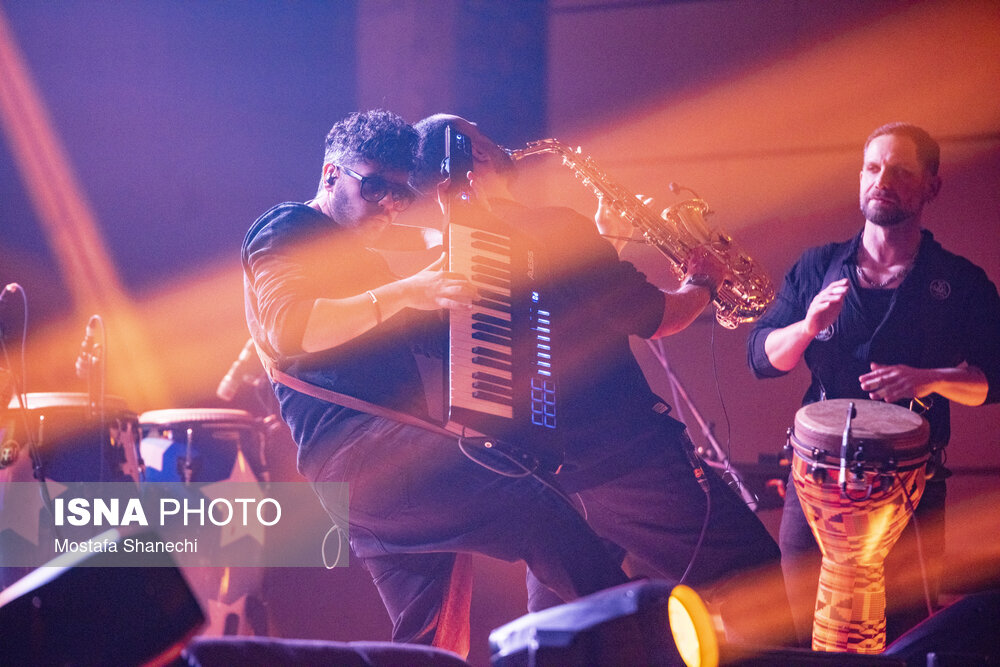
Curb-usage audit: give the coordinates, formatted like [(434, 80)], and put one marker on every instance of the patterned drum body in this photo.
[(72, 440), (856, 517), (201, 444)]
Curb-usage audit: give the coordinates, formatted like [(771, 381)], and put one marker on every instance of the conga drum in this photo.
[(858, 475), (203, 446), (75, 439), (66, 438)]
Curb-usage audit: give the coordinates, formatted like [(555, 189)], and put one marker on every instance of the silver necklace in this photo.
[(898, 275)]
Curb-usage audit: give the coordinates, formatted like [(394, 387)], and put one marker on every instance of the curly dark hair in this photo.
[(928, 150), (377, 136)]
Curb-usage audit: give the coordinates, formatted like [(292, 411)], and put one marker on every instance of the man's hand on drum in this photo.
[(826, 306), (893, 383)]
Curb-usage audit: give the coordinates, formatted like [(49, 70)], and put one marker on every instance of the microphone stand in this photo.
[(714, 455), (95, 369)]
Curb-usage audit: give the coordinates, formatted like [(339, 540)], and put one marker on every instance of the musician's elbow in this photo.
[(672, 323)]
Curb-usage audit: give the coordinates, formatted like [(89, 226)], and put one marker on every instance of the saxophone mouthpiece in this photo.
[(677, 189)]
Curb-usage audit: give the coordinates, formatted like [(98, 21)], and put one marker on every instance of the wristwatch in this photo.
[(703, 280)]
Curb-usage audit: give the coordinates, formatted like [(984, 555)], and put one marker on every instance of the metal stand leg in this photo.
[(713, 454)]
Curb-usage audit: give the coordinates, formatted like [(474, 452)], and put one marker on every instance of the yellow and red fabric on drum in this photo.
[(857, 525)]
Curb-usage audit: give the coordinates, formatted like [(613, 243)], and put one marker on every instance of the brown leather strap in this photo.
[(350, 402)]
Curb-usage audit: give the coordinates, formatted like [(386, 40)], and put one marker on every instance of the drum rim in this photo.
[(864, 407), (168, 416), (65, 399), (829, 459), (811, 433)]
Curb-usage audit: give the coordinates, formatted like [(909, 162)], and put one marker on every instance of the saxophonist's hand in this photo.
[(474, 187), (612, 226), (703, 262)]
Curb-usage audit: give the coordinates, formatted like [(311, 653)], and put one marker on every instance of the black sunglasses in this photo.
[(375, 188)]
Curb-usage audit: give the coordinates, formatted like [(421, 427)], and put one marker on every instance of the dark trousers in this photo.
[(654, 509), (904, 586), (415, 501)]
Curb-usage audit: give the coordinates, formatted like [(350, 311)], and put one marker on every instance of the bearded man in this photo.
[(888, 315)]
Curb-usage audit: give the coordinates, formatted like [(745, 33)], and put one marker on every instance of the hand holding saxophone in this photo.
[(705, 269), (613, 226)]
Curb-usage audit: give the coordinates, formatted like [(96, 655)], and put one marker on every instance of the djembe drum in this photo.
[(859, 471)]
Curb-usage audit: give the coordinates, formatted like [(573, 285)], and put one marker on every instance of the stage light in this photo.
[(640, 623), (692, 628)]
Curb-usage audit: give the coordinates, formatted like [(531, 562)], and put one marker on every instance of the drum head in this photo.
[(882, 430), (195, 415)]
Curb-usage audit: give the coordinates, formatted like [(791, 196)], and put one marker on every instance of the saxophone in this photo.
[(679, 229)]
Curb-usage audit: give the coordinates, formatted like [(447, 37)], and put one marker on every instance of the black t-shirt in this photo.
[(293, 255), (601, 301)]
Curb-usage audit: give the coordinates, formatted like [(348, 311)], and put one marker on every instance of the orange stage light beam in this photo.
[(70, 225), (764, 141)]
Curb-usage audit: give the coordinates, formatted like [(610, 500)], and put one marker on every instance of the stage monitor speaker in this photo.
[(77, 611), (762, 656), (966, 633), (634, 624)]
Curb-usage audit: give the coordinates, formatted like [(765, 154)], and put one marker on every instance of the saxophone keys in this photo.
[(741, 265)]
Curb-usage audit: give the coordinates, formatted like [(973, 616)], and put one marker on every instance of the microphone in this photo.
[(242, 372), (845, 444), (9, 288), (90, 350)]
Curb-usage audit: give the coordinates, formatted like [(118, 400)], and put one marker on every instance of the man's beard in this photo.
[(883, 214)]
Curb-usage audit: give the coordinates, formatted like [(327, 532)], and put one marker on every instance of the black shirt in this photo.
[(945, 312), (292, 255)]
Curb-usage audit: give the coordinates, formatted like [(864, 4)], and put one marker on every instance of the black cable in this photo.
[(701, 537), (722, 401), (729, 476), (522, 471), (20, 387), (911, 506)]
